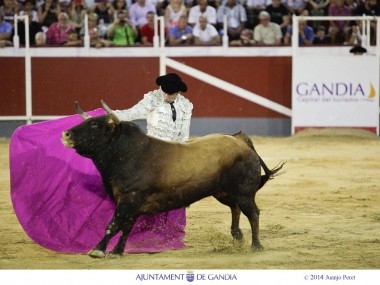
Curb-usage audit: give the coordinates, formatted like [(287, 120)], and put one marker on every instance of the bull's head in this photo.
[(91, 135)]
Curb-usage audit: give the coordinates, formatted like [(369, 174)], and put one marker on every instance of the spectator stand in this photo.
[(333, 57)]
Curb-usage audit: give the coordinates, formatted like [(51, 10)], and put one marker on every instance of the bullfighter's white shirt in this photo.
[(158, 115)]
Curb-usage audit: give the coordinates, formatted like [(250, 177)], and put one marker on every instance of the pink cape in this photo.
[(59, 199)]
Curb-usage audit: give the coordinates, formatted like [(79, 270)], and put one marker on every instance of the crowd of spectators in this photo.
[(187, 22)]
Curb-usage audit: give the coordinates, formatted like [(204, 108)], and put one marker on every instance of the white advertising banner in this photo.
[(335, 91)]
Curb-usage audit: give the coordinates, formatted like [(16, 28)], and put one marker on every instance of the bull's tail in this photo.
[(269, 173)]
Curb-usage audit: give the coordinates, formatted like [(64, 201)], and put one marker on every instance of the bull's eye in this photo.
[(94, 126)]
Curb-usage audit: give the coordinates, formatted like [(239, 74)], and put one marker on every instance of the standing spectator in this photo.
[(266, 32), (236, 18), (173, 12), (5, 31), (48, 13), (34, 28), (305, 34), (205, 34), (58, 33), (122, 32), (202, 9), (147, 31), (279, 14), (138, 10), (181, 34), (9, 10), (339, 30)]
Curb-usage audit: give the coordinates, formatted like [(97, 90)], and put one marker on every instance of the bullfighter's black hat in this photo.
[(358, 50), (171, 83)]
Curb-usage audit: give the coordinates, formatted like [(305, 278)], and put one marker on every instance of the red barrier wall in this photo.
[(121, 82)]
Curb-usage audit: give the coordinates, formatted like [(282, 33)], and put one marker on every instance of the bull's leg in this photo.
[(252, 212), (235, 214), (126, 229), (119, 221), (112, 229)]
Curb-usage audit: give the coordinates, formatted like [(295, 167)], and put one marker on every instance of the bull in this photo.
[(145, 175)]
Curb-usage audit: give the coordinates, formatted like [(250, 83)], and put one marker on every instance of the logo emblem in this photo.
[(190, 276)]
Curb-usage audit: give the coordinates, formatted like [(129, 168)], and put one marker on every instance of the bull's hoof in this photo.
[(237, 235), (257, 248), (114, 255), (96, 253)]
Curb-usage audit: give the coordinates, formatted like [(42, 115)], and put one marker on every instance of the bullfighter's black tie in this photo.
[(174, 113)]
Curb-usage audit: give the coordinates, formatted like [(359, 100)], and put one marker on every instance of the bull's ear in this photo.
[(111, 113), (80, 112)]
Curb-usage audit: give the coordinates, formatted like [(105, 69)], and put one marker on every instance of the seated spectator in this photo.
[(355, 37), (40, 39), (138, 10), (279, 14), (104, 10), (369, 8), (96, 39), (236, 18), (77, 14), (58, 33), (48, 13), (64, 6), (34, 28), (321, 37), (73, 39), (173, 12), (305, 34), (9, 10), (296, 6), (181, 34), (28, 8), (5, 31), (147, 31), (205, 34), (266, 32), (122, 32), (339, 29), (318, 8), (119, 5), (160, 6), (202, 9), (246, 39), (254, 7)]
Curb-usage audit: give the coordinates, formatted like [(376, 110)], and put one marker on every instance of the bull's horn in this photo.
[(80, 112), (111, 113)]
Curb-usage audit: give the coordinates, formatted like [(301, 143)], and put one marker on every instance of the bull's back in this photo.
[(201, 159)]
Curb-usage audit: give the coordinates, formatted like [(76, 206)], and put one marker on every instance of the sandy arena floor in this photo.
[(323, 213)]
